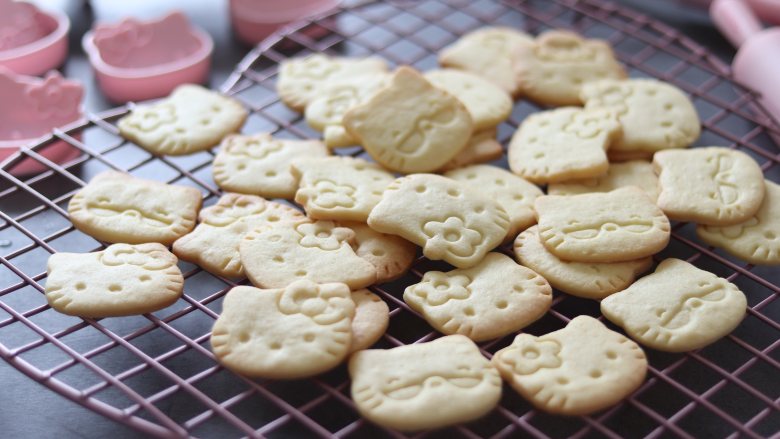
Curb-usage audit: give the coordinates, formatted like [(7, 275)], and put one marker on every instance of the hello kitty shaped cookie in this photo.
[(391, 255), (320, 251), (562, 144), (117, 207), (678, 308), (621, 225), (446, 218), (715, 186), (294, 332), (553, 69), (482, 147), (372, 315), (488, 104), (121, 280), (410, 125), (425, 385), (191, 119), (261, 165), (489, 300), (637, 173), (577, 370), (214, 243)]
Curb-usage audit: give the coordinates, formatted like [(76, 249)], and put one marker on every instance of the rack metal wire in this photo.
[(156, 372)]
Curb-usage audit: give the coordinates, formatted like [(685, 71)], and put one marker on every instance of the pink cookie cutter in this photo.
[(137, 60), (253, 20), (32, 42)]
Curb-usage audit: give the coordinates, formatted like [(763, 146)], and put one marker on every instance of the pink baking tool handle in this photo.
[(735, 20)]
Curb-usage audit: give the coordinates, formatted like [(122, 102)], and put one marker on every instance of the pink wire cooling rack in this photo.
[(156, 372)]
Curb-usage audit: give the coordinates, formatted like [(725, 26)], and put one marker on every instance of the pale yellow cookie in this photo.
[(391, 255), (577, 370), (425, 385), (714, 186), (482, 147), (634, 173), (621, 225), (489, 300), (260, 165), (301, 80), (488, 52), (591, 280), (655, 115), (214, 243), (449, 220), (288, 333), (372, 315), (553, 70), (678, 308), (513, 193), (117, 207), (410, 126), (487, 103), (563, 144), (339, 188), (320, 251), (191, 119), (121, 280)]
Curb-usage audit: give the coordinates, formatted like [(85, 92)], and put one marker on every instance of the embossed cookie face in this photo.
[(425, 385), (591, 280), (553, 70), (319, 251), (191, 119), (443, 216), (577, 370), (214, 243), (482, 147), (756, 240), (562, 144), (260, 165), (410, 126), (339, 188), (489, 300), (678, 308), (391, 255), (616, 226), (294, 332), (121, 280), (715, 186), (655, 115), (116, 207), (488, 104), (371, 319), (634, 173)]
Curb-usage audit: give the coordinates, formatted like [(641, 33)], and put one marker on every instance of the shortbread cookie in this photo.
[(577, 370), (410, 126), (513, 193), (757, 240), (117, 207), (191, 119), (488, 52), (562, 144), (339, 188), (260, 165), (425, 385), (319, 251), (489, 300), (446, 218), (591, 280), (621, 225), (214, 243), (634, 173), (655, 115), (553, 70), (714, 186), (482, 147), (391, 255), (487, 103), (678, 308), (372, 316), (294, 332), (121, 280)]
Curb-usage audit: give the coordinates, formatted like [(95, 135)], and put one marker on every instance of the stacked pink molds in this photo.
[(32, 42)]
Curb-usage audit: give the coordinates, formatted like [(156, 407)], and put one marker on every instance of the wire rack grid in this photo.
[(156, 372)]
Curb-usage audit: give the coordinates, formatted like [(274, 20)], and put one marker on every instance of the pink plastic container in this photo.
[(32, 42), (135, 60), (253, 20)]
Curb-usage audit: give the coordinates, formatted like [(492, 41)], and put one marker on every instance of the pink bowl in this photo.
[(135, 60), (32, 42), (253, 20)]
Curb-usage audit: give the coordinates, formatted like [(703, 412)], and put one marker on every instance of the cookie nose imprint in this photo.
[(132, 213)]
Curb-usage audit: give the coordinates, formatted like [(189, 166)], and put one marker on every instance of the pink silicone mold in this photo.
[(33, 108), (32, 42), (137, 60), (253, 20)]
